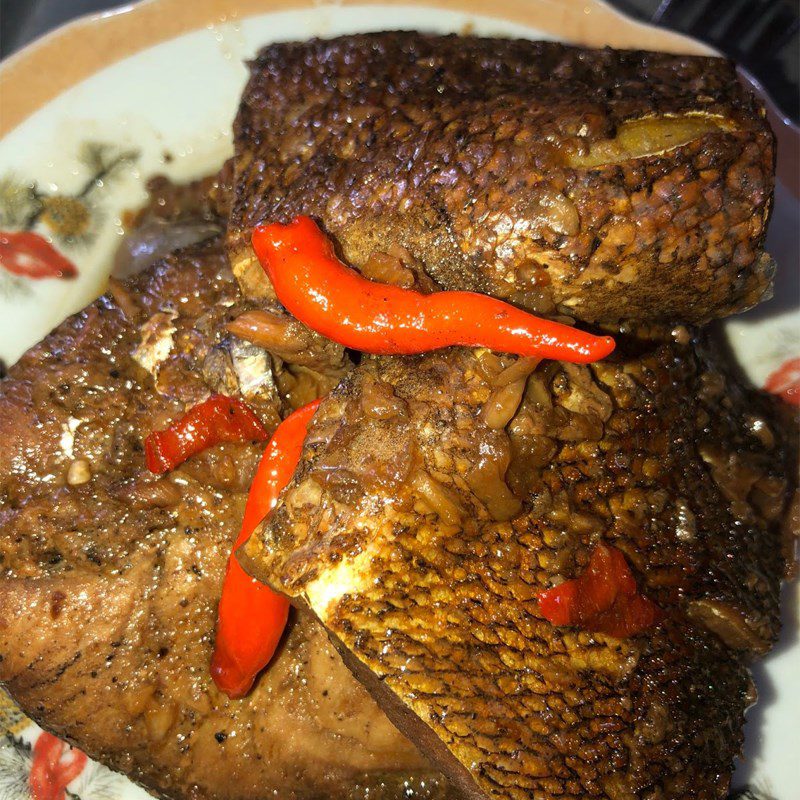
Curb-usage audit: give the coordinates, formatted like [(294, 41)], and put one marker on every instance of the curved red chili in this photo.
[(218, 419), (603, 599), (337, 302), (251, 617), (27, 254)]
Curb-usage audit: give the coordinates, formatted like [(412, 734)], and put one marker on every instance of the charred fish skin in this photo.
[(110, 576), (588, 182), (434, 502)]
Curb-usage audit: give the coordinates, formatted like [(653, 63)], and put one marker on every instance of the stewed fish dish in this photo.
[(400, 460)]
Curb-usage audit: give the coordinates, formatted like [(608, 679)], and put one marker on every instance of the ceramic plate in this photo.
[(90, 111)]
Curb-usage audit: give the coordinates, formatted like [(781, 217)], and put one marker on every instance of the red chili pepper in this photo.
[(27, 254), (251, 617), (218, 419), (785, 382), (50, 774), (337, 302), (603, 599)]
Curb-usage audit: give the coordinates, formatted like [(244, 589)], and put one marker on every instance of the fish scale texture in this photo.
[(109, 585), (497, 164), (425, 567)]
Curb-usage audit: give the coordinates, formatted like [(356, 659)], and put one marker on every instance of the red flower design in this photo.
[(785, 381), (28, 254), (55, 766)]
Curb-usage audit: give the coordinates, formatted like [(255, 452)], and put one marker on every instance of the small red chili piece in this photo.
[(218, 419), (251, 617), (27, 254), (342, 305), (603, 599), (785, 382)]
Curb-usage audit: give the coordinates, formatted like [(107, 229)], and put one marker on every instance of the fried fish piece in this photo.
[(437, 497), (603, 184), (110, 576)]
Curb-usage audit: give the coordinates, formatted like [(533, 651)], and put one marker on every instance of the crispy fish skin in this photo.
[(431, 506), (598, 183), (110, 576)]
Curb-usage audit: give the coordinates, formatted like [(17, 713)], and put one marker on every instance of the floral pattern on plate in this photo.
[(39, 229), (35, 765)]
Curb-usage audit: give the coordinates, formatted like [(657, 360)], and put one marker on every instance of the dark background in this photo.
[(762, 35)]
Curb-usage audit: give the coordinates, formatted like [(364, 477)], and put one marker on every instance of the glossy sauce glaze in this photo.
[(110, 575)]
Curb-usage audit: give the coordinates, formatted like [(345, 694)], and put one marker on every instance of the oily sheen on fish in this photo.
[(110, 576), (439, 495), (603, 184)]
